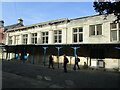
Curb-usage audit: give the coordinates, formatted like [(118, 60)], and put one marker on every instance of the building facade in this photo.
[(63, 35)]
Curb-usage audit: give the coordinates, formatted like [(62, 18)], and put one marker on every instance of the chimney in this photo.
[(1, 23), (20, 21)]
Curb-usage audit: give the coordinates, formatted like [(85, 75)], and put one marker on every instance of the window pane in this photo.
[(59, 41), (26, 41), (46, 33), (99, 29), (35, 40), (114, 35), (80, 37), (32, 34), (43, 33), (60, 32), (32, 40), (75, 37), (92, 29), (59, 36), (35, 34), (113, 25), (55, 40), (74, 29), (55, 37), (46, 39), (55, 32), (43, 39), (80, 29)]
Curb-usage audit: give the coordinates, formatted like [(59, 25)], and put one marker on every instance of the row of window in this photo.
[(77, 34), (57, 38)]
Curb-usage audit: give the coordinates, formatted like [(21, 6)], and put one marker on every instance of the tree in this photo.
[(108, 7)]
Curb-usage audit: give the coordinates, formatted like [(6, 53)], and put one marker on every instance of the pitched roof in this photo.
[(13, 26), (41, 24)]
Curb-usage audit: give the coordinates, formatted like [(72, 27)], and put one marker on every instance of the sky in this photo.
[(37, 12)]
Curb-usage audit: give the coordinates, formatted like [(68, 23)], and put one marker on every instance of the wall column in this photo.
[(29, 38), (13, 40), (51, 37), (7, 39), (39, 37), (64, 36), (21, 39)]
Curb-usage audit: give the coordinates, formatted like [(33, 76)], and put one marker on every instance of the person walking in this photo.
[(76, 63), (51, 61), (65, 63)]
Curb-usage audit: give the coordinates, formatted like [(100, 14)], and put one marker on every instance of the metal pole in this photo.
[(75, 53)]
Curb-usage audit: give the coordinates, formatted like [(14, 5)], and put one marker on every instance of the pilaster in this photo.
[(51, 37)]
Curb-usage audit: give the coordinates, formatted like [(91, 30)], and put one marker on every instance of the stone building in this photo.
[(3, 30), (95, 39)]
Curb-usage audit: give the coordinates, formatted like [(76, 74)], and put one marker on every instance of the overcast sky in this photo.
[(36, 12)]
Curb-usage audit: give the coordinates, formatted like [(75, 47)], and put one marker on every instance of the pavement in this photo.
[(24, 75)]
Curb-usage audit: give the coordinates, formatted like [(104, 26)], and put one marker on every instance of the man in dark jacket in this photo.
[(51, 61), (65, 63)]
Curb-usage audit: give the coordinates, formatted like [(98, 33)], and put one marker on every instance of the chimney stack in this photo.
[(1, 24), (20, 20)]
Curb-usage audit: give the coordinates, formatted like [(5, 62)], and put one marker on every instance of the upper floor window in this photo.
[(57, 36), (77, 34), (17, 39), (45, 37), (34, 38), (96, 29), (10, 40), (25, 38), (115, 31), (113, 25)]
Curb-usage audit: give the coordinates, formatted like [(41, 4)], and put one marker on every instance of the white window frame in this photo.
[(34, 38), (46, 37), (57, 35), (95, 30), (115, 29), (77, 33), (25, 38), (10, 40), (17, 39)]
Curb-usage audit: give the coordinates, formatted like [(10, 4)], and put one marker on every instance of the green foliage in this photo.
[(108, 7)]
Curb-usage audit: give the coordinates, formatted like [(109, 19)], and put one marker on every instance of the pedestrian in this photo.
[(65, 63), (77, 60), (85, 65), (51, 61)]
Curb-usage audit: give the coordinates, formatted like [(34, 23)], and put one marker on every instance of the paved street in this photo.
[(22, 75)]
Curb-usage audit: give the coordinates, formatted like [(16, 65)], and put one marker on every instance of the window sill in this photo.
[(96, 36), (115, 41)]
